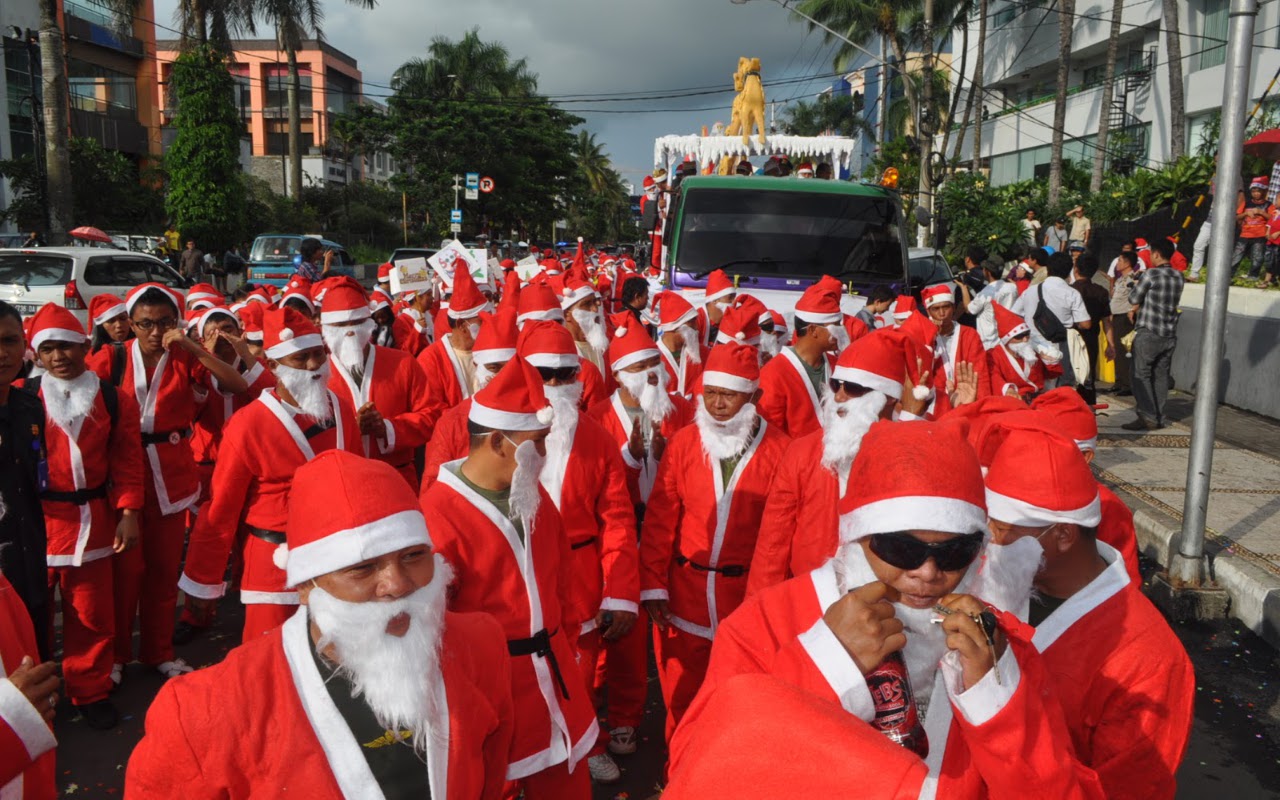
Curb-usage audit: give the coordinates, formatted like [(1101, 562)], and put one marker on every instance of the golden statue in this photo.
[(749, 105)]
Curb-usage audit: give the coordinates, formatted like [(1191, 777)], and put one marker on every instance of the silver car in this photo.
[(73, 276)]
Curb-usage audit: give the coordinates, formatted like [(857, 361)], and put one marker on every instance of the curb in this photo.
[(1254, 592)]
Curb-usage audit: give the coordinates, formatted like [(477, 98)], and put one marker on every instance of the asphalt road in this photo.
[(1234, 750)]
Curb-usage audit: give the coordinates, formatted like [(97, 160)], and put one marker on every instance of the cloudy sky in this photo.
[(599, 47)]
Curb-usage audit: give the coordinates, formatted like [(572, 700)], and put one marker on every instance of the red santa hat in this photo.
[(285, 331), (510, 292), (251, 321), (105, 307), (204, 292), (733, 366), (739, 324), (496, 342), (937, 295), (647, 183), (630, 343), (805, 170), (538, 302), (53, 323), (754, 306), (913, 476), (575, 291), (820, 303), (384, 272), (881, 361), (513, 400), (261, 295), (332, 525), (1071, 415), (673, 311), (1260, 182), (1008, 324), (135, 294), (719, 285), (982, 413), (920, 328), (467, 300), (507, 264), (298, 289), (345, 302), (547, 344), (379, 300), (903, 307), (191, 319), (1038, 477), (211, 313), (779, 322)]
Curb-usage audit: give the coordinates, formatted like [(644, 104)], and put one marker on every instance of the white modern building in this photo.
[(1020, 74)]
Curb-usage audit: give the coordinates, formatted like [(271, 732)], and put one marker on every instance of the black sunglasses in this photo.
[(850, 388), (904, 551), (562, 374)]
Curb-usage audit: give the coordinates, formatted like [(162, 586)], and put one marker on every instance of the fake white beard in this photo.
[(1023, 350), (844, 425), (394, 674), (592, 328), (1006, 572), (482, 376), (310, 390), (67, 401), (725, 440), (383, 336), (692, 347), (564, 401), (655, 403), (841, 335), (524, 497), (347, 344), (770, 345)]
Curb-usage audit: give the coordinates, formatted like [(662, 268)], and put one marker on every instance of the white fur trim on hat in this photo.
[(197, 305), (912, 513), (728, 290), (871, 380), (819, 319), (684, 318), (354, 545), (111, 313), (344, 315), (572, 298), (499, 420), (499, 355), (921, 392), (1013, 511), (726, 380), (57, 335), (465, 313), (554, 360), (1087, 445), (634, 358), (550, 315), (293, 344), (1018, 330), (213, 312), (739, 337), (546, 414), (254, 336)]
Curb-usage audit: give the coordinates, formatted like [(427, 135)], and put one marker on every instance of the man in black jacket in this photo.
[(22, 465)]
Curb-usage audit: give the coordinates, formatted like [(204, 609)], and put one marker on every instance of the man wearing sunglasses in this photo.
[(910, 540), (791, 385), (1119, 678), (799, 531), (702, 520)]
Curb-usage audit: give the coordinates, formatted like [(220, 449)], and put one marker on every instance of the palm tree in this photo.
[(593, 164), (469, 68), (1177, 96), (213, 21), (293, 19), (1066, 21), (825, 114), (977, 87), (1108, 93)]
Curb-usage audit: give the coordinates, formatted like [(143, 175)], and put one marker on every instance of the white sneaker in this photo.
[(174, 668), (117, 674), (603, 769), (622, 741)]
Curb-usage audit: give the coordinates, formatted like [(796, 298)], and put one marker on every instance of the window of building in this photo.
[(19, 98), (1033, 163), (101, 90), (277, 83), (243, 98), (278, 140), (1213, 34), (90, 10)]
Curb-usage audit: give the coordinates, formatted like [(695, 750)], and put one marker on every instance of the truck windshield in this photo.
[(789, 233), (275, 248)]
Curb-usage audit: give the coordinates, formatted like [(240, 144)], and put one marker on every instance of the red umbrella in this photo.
[(91, 234), (1265, 145)]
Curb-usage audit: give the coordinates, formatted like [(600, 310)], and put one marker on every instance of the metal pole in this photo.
[(924, 195), (404, 216), (1188, 565)]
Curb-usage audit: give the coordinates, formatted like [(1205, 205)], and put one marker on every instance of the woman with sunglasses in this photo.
[(911, 535)]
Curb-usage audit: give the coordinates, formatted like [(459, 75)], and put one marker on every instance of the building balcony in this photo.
[(112, 132), (94, 33)]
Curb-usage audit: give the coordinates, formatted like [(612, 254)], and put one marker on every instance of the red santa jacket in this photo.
[(207, 736), (446, 378), (1116, 529), (409, 334), (92, 455), (992, 741), (800, 528), (1007, 370), (787, 397), (594, 388), (27, 758), (449, 442), (524, 583), (263, 445), (218, 406), (397, 387), (613, 416), (682, 374), (695, 517), (965, 346), (600, 522), (166, 402)]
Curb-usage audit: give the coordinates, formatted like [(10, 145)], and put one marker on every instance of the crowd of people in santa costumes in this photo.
[(458, 519)]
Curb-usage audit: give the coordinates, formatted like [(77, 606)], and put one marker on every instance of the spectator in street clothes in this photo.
[(1056, 235), (1031, 227), (28, 698), (1155, 317), (1253, 217), (878, 302), (1038, 262), (371, 689), (315, 260), (33, 240), (1125, 247), (1097, 303), (999, 291), (1065, 303), (1075, 250), (1081, 226), (1120, 323), (191, 261)]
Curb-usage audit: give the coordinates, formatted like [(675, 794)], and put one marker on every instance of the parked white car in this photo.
[(73, 276)]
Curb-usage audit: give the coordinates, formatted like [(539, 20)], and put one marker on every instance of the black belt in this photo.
[(539, 645), (729, 570), (79, 496), (315, 430), (583, 543), (270, 537), (204, 463), (165, 437)]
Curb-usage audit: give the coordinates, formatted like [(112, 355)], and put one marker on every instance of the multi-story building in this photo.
[(329, 82), (1020, 77), (111, 78)]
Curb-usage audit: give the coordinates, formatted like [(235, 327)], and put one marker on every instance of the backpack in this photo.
[(1047, 322), (109, 398)]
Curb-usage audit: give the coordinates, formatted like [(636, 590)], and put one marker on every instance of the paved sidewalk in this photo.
[(1149, 471)]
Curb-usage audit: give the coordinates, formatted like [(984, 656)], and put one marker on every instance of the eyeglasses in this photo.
[(561, 374), (147, 325), (904, 551), (849, 387)]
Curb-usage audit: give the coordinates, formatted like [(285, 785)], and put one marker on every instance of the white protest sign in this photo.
[(410, 275), (446, 260)]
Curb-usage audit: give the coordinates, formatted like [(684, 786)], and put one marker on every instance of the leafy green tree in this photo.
[(205, 197), (825, 114), (466, 69)]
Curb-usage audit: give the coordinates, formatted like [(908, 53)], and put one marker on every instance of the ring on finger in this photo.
[(53, 701)]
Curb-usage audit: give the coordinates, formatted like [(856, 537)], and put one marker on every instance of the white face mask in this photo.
[(474, 329), (310, 390)]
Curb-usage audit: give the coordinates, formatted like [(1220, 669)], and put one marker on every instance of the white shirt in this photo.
[(1003, 292), (1065, 303)]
